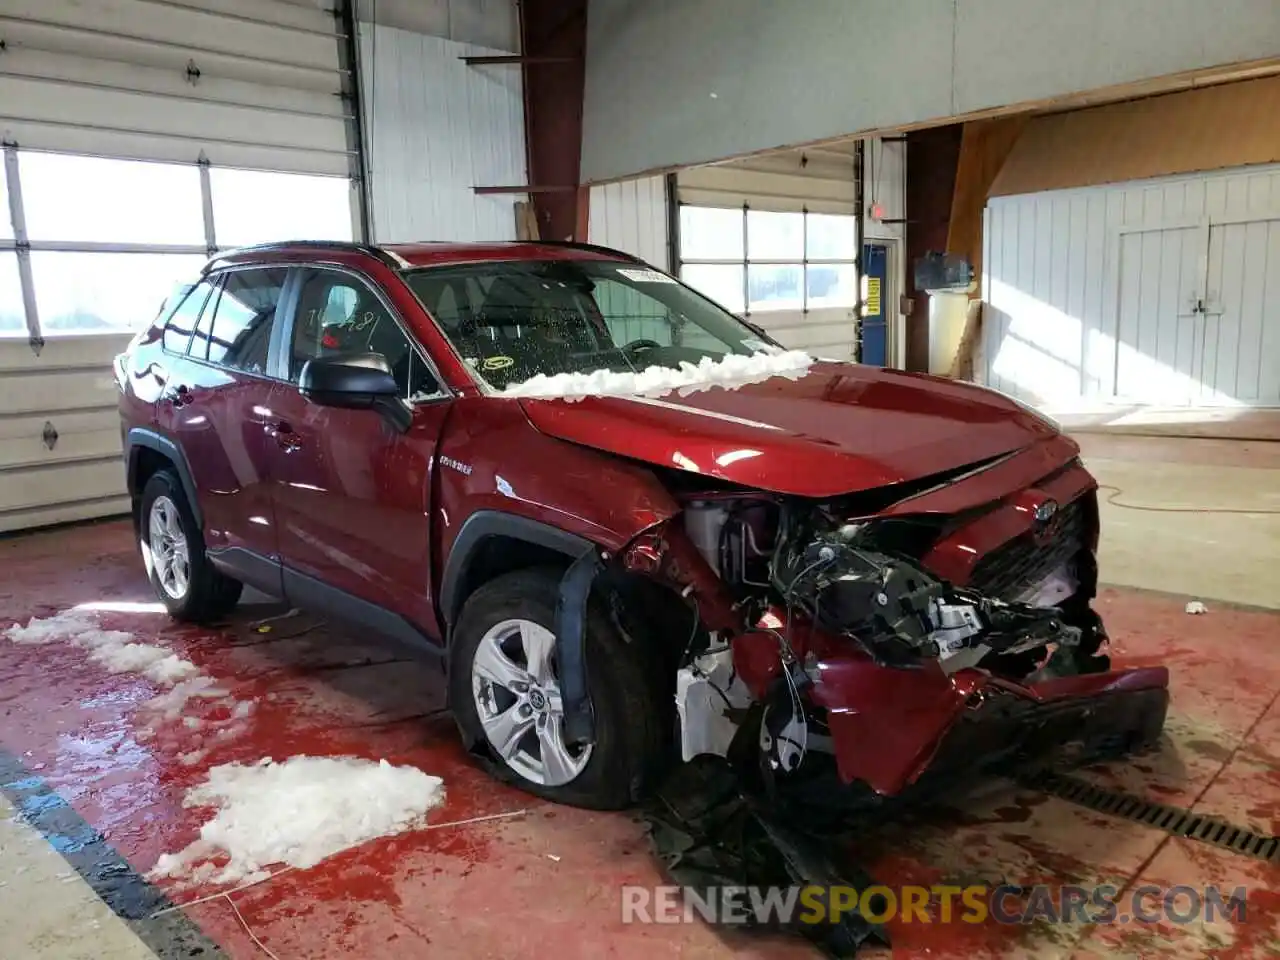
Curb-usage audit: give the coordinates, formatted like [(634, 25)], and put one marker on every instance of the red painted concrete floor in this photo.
[(547, 882)]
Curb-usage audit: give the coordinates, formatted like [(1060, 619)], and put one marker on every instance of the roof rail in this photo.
[(387, 258)]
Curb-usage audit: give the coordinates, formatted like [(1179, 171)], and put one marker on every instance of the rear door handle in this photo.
[(284, 435)]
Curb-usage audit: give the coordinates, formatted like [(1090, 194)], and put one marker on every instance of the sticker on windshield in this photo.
[(644, 276), (491, 364)]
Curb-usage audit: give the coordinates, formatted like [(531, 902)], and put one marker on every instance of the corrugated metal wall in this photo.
[(1158, 291), (632, 216), (435, 129)]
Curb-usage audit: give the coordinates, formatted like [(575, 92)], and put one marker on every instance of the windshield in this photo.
[(513, 321)]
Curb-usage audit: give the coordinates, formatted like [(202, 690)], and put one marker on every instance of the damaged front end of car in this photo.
[(847, 661)]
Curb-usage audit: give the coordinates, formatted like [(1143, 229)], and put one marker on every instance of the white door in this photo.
[(1241, 323), (1159, 349)]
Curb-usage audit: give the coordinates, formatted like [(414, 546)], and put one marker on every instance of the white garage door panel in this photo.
[(23, 490), (49, 392), (61, 104), (74, 70), (104, 506), (80, 436), (23, 35), (190, 28), (62, 353), (128, 144)]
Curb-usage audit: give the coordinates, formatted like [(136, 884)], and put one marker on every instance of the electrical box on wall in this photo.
[(942, 271)]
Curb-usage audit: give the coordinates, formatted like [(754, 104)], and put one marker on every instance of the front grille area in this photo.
[(1025, 561)]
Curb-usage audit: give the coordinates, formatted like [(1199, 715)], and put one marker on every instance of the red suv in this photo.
[(630, 525)]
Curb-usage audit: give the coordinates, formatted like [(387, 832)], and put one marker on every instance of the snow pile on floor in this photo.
[(730, 371), (297, 813), (114, 649), (171, 703)]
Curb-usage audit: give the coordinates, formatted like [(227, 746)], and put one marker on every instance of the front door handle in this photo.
[(181, 395), (285, 437)]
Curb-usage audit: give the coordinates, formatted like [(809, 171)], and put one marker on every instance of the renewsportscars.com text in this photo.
[(940, 903)]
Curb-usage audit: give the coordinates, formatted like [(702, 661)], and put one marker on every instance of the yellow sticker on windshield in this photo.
[(496, 363)]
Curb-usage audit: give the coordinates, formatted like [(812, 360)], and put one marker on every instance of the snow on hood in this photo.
[(296, 813), (732, 370)]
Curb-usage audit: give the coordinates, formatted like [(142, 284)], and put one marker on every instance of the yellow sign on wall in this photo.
[(873, 297)]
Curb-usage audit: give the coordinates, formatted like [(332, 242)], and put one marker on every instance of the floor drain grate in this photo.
[(1175, 820)]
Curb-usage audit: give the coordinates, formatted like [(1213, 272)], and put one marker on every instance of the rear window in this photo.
[(191, 300)]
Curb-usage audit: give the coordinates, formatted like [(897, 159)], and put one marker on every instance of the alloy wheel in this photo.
[(170, 556), (517, 698)]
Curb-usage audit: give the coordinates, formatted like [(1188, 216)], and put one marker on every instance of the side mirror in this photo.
[(355, 381)]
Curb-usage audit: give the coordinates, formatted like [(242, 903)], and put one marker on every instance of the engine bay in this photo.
[(795, 570)]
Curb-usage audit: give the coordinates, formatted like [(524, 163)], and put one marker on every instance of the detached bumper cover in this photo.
[(892, 727)]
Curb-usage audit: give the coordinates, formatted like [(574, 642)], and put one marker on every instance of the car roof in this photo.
[(401, 256)]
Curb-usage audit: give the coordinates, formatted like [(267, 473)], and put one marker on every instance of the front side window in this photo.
[(236, 330), (512, 321), (340, 314)]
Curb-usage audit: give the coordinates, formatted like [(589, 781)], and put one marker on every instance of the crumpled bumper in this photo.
[(894, 727)]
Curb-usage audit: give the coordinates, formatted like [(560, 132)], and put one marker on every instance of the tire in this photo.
[(631, 716), (168, 526)]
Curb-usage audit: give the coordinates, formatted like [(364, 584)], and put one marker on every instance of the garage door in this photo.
[(775, 239), (139, 137)]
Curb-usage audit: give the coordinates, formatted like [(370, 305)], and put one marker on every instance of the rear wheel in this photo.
[(506, 696), (174, 554)]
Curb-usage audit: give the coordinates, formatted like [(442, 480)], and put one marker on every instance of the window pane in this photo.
[(831, 285), (110, 201), (177, 332), (246, 305), (775, 236), (13, 317), (710, 233), (105, 292), (831, 237), (633, 316), (722, 283), (775, 287), (339, 314), (251, 206)]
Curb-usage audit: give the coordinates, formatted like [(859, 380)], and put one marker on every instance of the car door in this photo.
[(351, 492), (214, 408)]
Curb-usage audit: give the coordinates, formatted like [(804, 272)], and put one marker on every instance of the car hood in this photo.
[(840, 428)]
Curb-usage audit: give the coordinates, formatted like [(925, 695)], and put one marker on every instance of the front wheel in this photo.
[(506, 697), (173, 551)]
